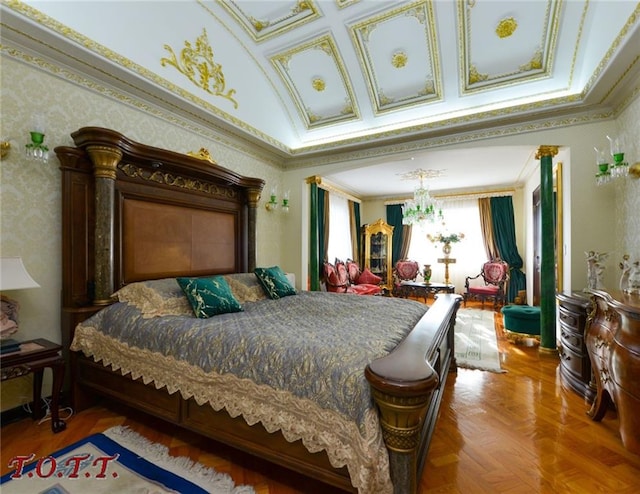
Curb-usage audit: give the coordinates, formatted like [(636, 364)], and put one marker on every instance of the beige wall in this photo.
[(601, 218), (30, 196)]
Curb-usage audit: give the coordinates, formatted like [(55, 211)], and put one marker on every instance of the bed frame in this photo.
[(133, 212)]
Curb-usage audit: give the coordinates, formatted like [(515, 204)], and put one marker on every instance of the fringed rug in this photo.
[(476, 344), (116, 461)]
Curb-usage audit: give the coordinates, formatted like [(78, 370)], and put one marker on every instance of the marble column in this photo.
[(105, 162), (547, 263)]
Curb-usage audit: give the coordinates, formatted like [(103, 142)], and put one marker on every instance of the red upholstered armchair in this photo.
[(347, 278), (495, 275), (404, 270)]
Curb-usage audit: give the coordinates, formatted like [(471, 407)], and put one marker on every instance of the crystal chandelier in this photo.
[(422, 207)]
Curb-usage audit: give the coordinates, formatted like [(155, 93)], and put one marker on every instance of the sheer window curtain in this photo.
[(340, 245), (460, 216)]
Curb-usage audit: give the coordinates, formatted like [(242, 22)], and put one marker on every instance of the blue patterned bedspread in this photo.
[(314, 345)]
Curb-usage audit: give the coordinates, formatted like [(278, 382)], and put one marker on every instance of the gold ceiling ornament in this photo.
[(534, 64), (202, 154), (300, 7), (506, 27), (259, 25), (318, 84), (399, 59), (475, 76), (197, 64)]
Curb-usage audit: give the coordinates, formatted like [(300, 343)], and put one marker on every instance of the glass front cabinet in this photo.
[(377, 243)]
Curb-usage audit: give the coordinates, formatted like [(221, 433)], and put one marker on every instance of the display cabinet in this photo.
[(377, 242)]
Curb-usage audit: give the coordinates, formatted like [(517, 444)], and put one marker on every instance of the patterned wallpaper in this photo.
[(628, 192), (30, 196), (30, 223)]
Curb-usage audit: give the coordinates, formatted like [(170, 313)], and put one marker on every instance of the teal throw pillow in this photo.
[(275, 282), (209, 296)]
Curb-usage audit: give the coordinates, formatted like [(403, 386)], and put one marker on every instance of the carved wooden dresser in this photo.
[(613, 342)]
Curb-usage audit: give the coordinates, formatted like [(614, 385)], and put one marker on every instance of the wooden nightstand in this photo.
[(34, 356)]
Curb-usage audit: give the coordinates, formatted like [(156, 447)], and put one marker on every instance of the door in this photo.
[(537, 245)]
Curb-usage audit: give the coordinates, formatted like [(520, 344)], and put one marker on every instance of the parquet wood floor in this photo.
[(517, 432)]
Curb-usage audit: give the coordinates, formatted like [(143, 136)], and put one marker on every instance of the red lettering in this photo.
[(77, 460), (19, 462), (104, 460), (41, 462)]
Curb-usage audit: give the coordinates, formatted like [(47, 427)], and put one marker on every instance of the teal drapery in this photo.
[(504, 231), (322, 225), (394, 218), (358, 239), (317, 233)]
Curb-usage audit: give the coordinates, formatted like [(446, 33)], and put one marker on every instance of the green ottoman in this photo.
[(521, 322)]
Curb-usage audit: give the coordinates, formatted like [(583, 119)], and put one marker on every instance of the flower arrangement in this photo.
[(451, 238)]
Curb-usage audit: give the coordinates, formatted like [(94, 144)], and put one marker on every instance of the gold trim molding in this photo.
[(167, 178)]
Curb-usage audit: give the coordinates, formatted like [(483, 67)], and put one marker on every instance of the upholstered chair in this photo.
[(404, 270), (495, 275), (338, 278)]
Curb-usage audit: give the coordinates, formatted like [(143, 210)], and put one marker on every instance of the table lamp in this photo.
[(13, 276)]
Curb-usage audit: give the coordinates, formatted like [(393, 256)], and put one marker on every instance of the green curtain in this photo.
[(358, 239), (394, 218), (322, 254), (504, 232)]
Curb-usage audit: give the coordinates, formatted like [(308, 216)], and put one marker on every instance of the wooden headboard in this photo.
[(133, 212)]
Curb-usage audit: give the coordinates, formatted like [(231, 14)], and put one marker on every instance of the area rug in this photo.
[(476, 344), (116, 461)]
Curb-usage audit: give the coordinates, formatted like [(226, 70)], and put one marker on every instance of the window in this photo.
[(460, 216), (339, 229)]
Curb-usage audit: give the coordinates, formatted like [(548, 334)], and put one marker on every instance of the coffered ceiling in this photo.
[(335, 78)]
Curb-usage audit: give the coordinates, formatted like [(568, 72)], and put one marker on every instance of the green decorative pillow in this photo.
[(209, 296), (275, 282)]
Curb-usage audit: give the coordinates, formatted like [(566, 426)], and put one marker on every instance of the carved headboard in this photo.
[(133, 212)]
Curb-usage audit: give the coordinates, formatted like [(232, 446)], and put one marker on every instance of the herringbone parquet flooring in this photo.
[(518, 432)]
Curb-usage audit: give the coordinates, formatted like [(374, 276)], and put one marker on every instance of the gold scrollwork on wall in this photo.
[(197, 64)]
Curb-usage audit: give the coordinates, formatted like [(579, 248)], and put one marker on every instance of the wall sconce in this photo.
[(614, 166), (272, 204), (5, 145), (36, 149)]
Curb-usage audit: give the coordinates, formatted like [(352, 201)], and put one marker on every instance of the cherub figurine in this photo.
[(595, 269), (633, 286), (625, 265)]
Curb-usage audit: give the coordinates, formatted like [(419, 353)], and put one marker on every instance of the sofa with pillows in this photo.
[(347, 277)]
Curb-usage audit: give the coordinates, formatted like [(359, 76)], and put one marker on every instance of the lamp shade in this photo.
[(14, 276)]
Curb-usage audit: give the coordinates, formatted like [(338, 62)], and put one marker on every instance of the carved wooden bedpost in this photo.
[(401, 418), (105, 162), (254, 197)]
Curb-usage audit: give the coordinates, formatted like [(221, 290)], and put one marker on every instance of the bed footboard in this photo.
[(407, 387)]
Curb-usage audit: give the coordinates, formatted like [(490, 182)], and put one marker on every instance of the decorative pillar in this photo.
[(254, 199), (314, 255), (105, 162), (547, 264)]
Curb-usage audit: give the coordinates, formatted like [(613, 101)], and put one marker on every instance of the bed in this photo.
[(138, 218)]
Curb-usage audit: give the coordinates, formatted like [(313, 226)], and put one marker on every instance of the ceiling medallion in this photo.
[(506, 27), (318, 84), (399, 59), (198, 65)]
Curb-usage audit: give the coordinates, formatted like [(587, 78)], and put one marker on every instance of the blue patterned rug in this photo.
[(116, 461)]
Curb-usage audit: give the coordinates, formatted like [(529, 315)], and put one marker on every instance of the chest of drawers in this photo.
[(613, 343), (575, 365)]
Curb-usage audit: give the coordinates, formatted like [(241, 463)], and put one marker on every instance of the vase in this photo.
[(446, 249), (426, 273)]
